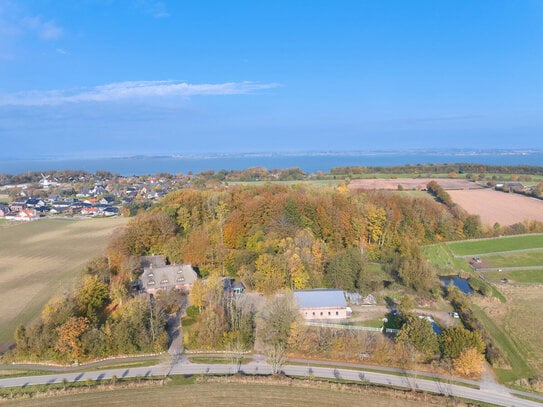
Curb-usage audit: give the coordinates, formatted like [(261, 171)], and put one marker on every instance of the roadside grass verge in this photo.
[(218, 360)]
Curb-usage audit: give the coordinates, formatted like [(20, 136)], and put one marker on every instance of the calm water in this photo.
[(308, 163), (461, 283)]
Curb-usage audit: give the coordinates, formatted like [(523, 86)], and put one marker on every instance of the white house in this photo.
[(322, 304)]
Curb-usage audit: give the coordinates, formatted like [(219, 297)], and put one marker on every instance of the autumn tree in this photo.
[(92, 296), (469, 362), (69, 337), (273, 326), (454, 340)]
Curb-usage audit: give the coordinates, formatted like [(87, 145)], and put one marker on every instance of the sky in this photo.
[(111, 77)]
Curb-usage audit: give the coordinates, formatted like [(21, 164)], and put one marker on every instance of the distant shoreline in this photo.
[(309, 162)]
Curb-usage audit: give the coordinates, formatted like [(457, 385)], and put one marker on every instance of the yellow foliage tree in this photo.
[(469, 363), (69, 336)]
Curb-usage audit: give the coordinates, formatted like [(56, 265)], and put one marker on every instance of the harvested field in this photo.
[(266, 393), (411, 183), (494, 206), (41, 259)]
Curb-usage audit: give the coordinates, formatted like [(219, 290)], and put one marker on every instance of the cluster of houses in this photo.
[(33, 208), (104, 198)]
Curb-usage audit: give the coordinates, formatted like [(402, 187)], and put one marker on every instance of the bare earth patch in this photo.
[(494, 206), (411, 183)]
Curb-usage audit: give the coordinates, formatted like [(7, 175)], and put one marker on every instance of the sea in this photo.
[(308, 162)]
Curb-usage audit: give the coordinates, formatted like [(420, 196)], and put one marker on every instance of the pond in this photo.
[(461, 283)]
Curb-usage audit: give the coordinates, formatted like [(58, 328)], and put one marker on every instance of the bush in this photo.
[(192, 311)]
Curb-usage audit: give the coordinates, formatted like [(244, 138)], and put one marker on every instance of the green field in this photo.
[(42, 259), (513, 324), (235, 394), (500, 244), (312, 183), (516, 276), (515, 259)]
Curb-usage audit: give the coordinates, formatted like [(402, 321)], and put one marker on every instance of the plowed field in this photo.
[(494, 206)]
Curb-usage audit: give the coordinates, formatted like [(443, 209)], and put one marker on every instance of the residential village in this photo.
[(88, 195)]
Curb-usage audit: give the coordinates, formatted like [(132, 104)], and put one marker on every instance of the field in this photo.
[(411, 183), (494, 206), (515, 324), (516, 327), (516, 276), (232, 394), (41, 259), (501, 244)]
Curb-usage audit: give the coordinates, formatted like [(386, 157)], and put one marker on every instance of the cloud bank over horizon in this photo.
[(131, 90)]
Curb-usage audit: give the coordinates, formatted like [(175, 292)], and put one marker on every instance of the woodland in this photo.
[(272, 238)]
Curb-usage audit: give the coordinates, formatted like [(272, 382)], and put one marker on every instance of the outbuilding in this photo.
[(322, 304)]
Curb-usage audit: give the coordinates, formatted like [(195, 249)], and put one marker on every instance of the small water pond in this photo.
[(461, 283)]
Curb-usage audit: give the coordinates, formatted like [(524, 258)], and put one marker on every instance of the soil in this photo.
[(495, 206)]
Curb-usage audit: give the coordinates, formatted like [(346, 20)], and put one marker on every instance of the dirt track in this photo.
[(494, 206)]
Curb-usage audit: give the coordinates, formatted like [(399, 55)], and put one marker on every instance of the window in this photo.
[(321, 313), (329, 313), (151, 282), (313, 314), (337, 313)]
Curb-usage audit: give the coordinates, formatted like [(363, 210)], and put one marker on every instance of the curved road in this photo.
[(494, 394)]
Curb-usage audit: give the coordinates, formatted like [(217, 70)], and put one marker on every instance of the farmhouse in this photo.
[(165, 277), (322, 304)]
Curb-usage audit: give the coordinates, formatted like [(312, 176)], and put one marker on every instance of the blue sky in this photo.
[(107, 77)]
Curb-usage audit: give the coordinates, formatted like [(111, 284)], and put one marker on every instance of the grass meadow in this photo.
[(516, 327), (517, 276), (496, 245), (42, 259), (515, 324)]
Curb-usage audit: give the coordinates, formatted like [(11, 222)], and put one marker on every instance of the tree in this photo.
[(454, 340), (469, 362), (274, 324), (406, 305), (270, 274), (69, 336), (344, 269), (418, 333), (92, 296)]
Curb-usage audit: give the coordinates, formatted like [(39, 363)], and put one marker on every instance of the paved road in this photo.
[(494, 394)]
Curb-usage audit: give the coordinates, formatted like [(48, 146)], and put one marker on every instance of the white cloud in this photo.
[(46, 30), (156, 9), (129, 91)]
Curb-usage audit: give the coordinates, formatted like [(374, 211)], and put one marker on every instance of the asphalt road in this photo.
[(498, 395)]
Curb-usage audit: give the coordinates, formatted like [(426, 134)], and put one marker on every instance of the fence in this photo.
[(342, 326)]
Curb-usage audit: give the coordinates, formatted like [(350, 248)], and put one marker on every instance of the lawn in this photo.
[(515, 259), (500, 244), (516, 327), (517, 276), (41, 259), (234, 394)]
